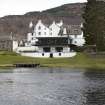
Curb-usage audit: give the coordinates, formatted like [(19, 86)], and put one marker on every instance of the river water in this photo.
[(50, 86)]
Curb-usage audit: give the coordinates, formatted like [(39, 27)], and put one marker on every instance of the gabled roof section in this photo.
[(71, 30)]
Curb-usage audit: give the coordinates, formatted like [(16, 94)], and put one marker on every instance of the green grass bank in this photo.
[(81, 60)]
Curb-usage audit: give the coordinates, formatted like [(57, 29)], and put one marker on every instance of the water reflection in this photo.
[(50, 86), (94, 87)]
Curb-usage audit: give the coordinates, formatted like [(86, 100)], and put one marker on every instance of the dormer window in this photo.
[(32, 34), (39, 33), (51, 29), (44, 33), (51, 33), (76, 32), (39, 27)]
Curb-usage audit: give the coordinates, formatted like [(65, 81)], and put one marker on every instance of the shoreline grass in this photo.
[(81, 60)]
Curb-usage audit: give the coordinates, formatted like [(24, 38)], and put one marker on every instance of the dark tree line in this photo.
[(94, 24)]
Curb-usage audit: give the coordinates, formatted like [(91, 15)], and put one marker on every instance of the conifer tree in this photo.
[(94, 24)]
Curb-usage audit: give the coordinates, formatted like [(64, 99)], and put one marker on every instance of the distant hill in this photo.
[(18, 24)]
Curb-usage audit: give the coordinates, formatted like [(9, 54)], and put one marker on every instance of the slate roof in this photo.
[(71, 30)]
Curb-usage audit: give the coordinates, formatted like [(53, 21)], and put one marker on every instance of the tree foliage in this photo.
[(94, 24)]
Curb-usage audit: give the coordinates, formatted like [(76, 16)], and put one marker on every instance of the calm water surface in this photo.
[(51, 86)]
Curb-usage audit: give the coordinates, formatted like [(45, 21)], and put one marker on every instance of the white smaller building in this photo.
[(15, 45)]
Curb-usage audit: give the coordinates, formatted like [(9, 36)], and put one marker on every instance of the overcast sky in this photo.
[(18, 7)]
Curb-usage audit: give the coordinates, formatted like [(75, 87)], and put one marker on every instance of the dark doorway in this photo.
[(51, 55), (46, 49)]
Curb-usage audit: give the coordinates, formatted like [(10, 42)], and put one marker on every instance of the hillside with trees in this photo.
[(18, 24)]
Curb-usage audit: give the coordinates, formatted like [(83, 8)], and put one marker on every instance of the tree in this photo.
[(94, 24)]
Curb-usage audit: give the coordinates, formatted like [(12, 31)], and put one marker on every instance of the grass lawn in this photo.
[(81, 60)]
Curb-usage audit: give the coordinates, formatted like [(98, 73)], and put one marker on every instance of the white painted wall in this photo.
[(29, 37), (15, 45), (66, 49), (47, 55), (78, 39), (51, 31), (64, 31), (27, 48), (44, 30), (54, 29), (65, 55)]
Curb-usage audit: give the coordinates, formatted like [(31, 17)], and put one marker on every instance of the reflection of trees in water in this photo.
[(94, 89), (96, 97), (94, 74)]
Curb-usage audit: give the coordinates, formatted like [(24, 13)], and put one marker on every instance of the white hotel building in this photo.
[(52, 40)]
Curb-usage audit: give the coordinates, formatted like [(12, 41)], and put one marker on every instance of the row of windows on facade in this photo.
[(75, 30), (40, 33), (39, 28)]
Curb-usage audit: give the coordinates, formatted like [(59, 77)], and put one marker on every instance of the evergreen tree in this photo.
[(94, 24)]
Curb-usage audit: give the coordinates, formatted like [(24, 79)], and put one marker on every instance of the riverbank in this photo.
[(81, 60)]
